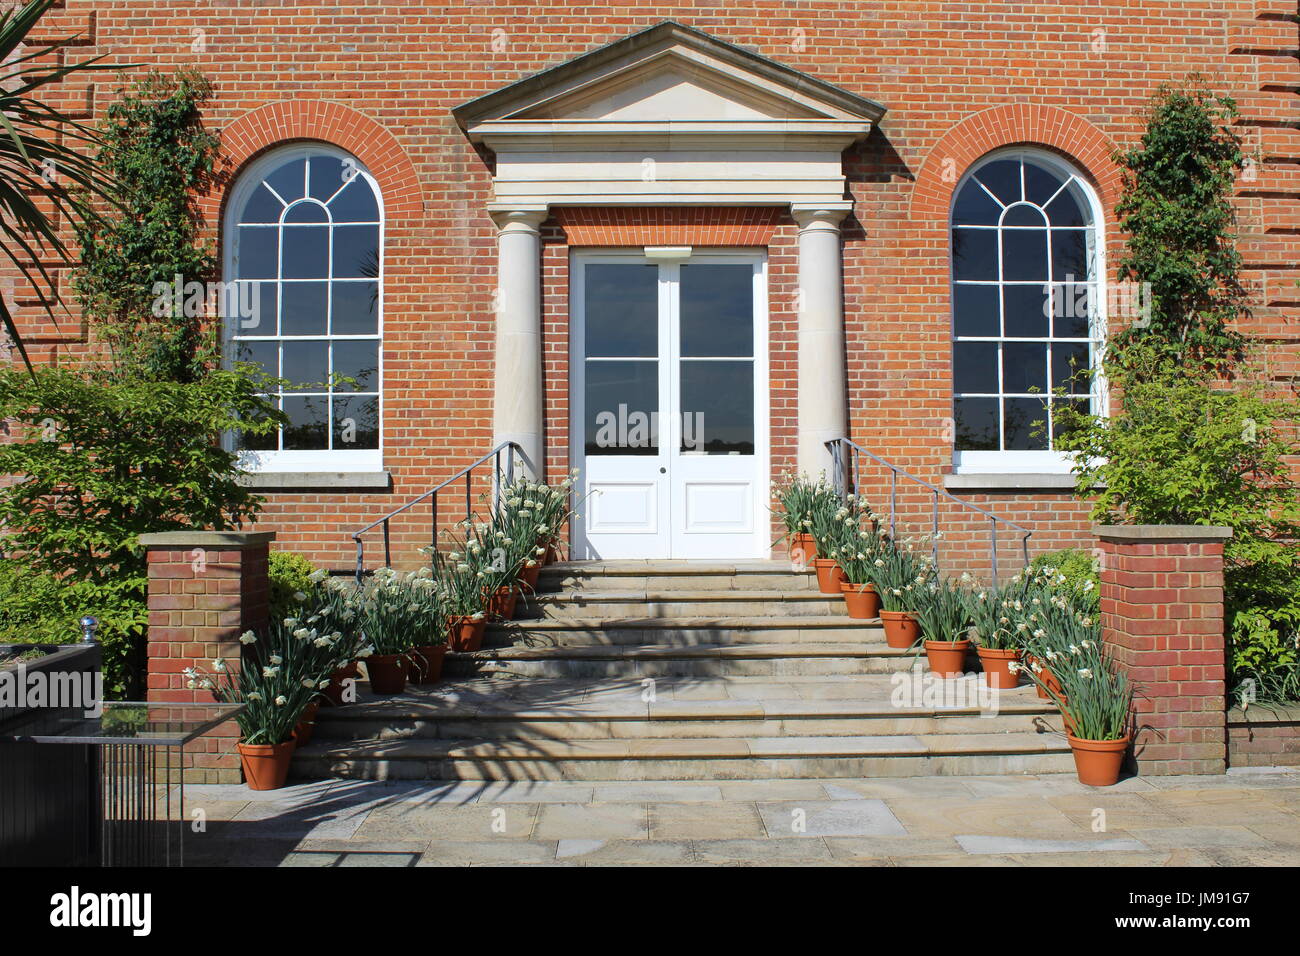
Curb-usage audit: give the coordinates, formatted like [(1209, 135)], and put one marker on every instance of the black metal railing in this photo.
[(846, 457), (503, 473)]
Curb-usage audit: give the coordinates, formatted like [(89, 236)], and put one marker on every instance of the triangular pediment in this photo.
[(668, 74)]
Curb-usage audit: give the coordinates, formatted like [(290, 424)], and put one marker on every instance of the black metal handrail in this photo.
[(508, 448), (845, 456)]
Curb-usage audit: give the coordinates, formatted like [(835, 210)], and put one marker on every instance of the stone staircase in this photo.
[(637, 670)]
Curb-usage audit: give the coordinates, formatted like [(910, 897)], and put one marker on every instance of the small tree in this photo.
[(154, 144), (1178, 215)]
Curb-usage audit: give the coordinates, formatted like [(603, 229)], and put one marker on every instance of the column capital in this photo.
[(519, 218), (824, 217)]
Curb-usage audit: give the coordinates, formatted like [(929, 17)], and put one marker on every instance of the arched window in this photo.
[(1028, 295), (304, 241)]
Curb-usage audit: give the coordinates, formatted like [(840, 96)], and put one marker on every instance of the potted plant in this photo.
[(1096, 701), (861, 596), (462, 580), (997, 641), (897, 576), (274, 685), (390, 622), (833, 527), (799, 497), (941, 610)]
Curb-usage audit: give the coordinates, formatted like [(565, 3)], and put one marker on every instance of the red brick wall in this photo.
[(381, 78), (1264, 737)]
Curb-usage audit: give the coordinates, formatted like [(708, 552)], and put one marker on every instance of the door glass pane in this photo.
[(622, 310), (622, 408), (718, 407), (717, 310)]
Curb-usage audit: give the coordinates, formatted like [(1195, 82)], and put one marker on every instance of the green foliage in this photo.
[(1177, 212), (1072, 571), (801, 499), (45, 175), (290, 573), (153, 143), (943, 611), (105, 460)]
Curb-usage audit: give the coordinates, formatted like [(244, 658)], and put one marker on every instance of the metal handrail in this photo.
[(509, 448), (840, 447)]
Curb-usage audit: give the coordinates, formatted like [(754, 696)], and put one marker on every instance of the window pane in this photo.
[(262, 206), (974, 254), (306, 429), (975, 309), (1070, 367), (306, 212), (1040, 184), (1070, 259), (258, 252), (1023, 215), (1025, 424), (1024, 367), (306, 366), (1024, 254), (1025, 310), (250, 442), (289, 180), (325, 177), (250, 308), (356, 308), (975, 367), (975, 207), (718, 407), (1069, 208), (357, 360), (303, 308), (717, 310), (622, 310), (356, 203), (1002, 177), (356, 421), (265, 355), (306, 252), (1060, 413), (1073, 310), (977, 424), (622, 408), (356, 252)]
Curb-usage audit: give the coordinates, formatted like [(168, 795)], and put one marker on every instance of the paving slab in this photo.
[(705, 821), (1012, 845), (1195, 837), (829, 818), (474, 822), (605, 821)]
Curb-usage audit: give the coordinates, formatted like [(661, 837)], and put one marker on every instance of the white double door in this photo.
[(669, 400)]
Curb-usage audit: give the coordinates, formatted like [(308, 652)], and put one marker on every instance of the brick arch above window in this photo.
[(277, 124), (1061, 131)]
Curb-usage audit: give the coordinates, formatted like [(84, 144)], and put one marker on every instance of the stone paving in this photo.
[(1247, 818)]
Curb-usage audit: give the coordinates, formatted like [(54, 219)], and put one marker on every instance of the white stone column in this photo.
[(518, 404), (823, 397)]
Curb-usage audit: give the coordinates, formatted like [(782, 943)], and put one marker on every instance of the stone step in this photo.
[(670, 575), (604, 603), (702, 660), (684, 631), (695, 758)]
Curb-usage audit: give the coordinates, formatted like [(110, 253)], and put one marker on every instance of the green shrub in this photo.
[(1075, 573), (290, 574)]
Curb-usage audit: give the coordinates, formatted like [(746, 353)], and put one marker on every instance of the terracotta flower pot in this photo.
[(387, 673), (528, 576), (1098, 762), (997, 667), (306, 725), (829, 575), (501, 603), (466, 634), (862, 601), (901, 629), (1046, 676), (334, 693), (426, 663), (266, 766), (803, 550), (947, 658)]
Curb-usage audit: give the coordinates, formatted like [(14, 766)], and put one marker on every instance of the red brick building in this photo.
[(760, 226)]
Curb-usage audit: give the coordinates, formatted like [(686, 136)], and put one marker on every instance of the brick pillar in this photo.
[(205, 589), (1162, 619)]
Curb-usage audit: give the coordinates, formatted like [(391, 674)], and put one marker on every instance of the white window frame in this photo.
[(1045, 462), (317, 460)]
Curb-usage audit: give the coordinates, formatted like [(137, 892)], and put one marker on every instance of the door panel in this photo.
[(669, 400)]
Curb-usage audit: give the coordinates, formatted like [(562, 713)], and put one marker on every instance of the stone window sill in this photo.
[(1010, 481), (293, 480)]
